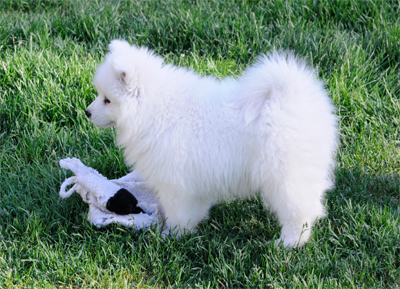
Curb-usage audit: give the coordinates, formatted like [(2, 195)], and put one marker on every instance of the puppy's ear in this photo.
[(124, 73), (119, 51), (117, 46), (124, 77)]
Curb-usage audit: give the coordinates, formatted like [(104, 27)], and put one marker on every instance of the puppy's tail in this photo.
[(276, 79)]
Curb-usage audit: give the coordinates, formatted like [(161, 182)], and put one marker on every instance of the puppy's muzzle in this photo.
[(88, 114)]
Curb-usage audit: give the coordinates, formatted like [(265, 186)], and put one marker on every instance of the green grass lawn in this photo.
[(49, 50)]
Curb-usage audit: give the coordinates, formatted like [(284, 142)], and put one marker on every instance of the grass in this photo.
[(49, 50)]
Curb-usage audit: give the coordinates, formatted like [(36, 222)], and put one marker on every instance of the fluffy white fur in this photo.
[(197, 140)]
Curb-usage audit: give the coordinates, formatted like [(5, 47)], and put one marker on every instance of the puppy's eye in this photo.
[(106, 100)]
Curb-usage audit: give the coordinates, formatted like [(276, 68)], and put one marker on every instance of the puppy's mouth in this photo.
[(96, 121), (108, 125)]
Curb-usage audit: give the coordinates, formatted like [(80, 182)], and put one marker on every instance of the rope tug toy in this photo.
[(126, 201)]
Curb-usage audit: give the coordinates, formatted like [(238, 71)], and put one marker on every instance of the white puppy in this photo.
[(198, 140)]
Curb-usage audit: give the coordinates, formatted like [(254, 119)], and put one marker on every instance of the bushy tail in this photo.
[(274, 78), (292, 104)]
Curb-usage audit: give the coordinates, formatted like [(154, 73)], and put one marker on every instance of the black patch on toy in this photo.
[(123, 203)]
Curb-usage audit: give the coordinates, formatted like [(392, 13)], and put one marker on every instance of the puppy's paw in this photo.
[(285, 243), (293, 241), (176, 234)]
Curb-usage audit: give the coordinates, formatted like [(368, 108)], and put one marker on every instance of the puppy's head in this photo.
[(120, 82)]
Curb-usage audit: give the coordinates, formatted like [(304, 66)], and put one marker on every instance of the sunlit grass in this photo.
[(49, 50)]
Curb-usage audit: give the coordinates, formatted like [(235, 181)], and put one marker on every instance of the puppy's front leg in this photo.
[(183, 212)]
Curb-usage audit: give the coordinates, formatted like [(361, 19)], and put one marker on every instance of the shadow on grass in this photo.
[(47, 241)]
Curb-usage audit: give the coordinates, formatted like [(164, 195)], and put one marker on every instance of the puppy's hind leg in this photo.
[(296, 208)]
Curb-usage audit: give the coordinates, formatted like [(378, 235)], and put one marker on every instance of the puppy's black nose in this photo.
[(88, 114)]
